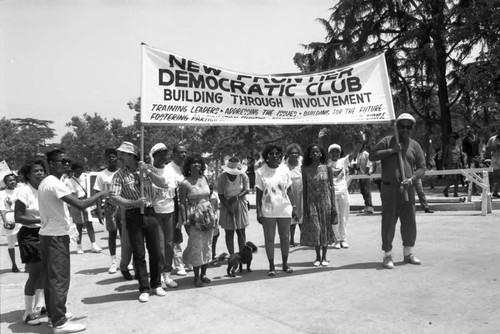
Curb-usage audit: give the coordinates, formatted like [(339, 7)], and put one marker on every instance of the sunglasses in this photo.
[(63, 161), (407, 127)]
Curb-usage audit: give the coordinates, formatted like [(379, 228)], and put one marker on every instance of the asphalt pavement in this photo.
[(455, 290)]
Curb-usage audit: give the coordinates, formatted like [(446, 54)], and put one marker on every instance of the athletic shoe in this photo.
[(96, 249), (32, 320), (144, 297), (336, 245), (181, 272), (79, 249), (112, 268), (160, 292), (387, 262), (169, 282), (69, 327), (344, 244), (412, 259)]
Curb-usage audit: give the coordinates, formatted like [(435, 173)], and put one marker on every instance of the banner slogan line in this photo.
[(180, 91)]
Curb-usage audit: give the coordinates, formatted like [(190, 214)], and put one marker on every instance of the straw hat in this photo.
[(234, 167)]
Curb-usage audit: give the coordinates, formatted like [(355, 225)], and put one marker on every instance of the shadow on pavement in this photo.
[(111, 298)]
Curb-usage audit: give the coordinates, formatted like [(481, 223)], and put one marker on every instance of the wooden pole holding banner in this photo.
[(142, 159), (401, 165)]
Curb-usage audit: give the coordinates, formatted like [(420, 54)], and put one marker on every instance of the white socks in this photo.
[(407, 250)]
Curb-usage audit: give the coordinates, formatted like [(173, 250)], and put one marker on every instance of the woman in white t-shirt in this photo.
[(273, 182), (26, 213)]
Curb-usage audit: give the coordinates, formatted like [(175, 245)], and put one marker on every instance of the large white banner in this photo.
[(181, 91)]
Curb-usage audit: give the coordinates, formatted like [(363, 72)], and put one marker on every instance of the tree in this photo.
[(427, 44), (21, 139), (90, 137)]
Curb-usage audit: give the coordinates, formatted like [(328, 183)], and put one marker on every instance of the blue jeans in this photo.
[(56, 266), (167, 224), (145, 227)]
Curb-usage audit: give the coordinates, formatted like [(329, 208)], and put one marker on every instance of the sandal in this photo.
[(272, 273), (205, 279), (287, 270)]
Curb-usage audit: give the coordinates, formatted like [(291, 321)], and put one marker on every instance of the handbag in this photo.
[(202, 216)]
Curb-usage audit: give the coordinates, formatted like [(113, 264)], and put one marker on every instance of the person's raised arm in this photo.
[(157, 180)]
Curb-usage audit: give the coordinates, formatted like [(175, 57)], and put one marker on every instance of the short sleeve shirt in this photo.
[(54, 212), (274, 183), (29, 197)]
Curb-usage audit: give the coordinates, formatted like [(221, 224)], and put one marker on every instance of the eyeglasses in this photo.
[(407, 127), (63, 161)]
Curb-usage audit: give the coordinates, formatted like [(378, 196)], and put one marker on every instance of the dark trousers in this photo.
[(365, 187), (419, 188), (145, 228), (167, 224), (393, 207), (56, 266)]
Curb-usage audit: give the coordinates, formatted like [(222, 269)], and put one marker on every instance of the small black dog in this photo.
[(245, 256)]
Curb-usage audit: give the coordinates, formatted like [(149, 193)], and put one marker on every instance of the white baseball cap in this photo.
[(406, 116), (156, 148)]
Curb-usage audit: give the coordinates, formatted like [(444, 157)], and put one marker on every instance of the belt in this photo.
[(388, 183), (148, 210)]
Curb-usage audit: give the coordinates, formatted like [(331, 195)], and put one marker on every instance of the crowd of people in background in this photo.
[(152, 207)]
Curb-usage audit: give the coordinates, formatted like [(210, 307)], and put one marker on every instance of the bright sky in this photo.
[(60, 59)]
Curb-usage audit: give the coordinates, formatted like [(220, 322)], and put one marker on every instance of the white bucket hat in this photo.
[(128, 147), (234, 167)]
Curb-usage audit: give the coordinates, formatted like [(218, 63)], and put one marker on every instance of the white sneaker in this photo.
[(96, 249), (169, 282), (68, 316), (79, 249), (344, 244), (112, 268), (144, 297), (181, 272), (160, 292), (336, 245), (69, 327)]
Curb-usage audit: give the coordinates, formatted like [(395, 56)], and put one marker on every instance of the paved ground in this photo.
[(455, 290)]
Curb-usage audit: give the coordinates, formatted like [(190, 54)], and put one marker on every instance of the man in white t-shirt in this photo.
[(53, 199), (175, 168), (165, 208), (113, 217)]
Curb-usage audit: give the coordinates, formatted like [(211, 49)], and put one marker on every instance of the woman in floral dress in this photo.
[(319, 204)]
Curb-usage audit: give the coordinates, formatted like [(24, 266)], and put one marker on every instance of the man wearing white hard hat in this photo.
[(396, 204), (164, 208)]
